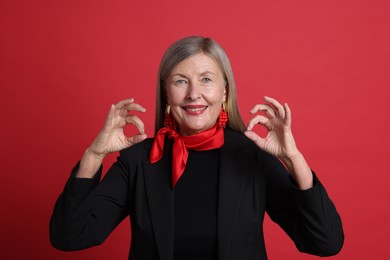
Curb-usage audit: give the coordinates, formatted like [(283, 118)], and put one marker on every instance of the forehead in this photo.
[(198, 63)]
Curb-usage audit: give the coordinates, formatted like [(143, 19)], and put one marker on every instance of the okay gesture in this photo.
[(279, 140)]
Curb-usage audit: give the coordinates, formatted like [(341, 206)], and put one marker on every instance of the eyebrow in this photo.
[(184, 76), (207, 72), (178, 74)]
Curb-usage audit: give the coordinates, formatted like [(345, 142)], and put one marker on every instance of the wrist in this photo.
[(292, 158), (89, 164), (90, 153), (299, 170)]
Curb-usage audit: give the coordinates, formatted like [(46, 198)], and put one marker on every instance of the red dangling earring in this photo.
[(169, 121), (223, 117)]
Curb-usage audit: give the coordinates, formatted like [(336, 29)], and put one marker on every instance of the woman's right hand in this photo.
[(112, 138)]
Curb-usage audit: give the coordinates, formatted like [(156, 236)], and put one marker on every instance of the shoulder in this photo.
[(238, 141), (235, 138)]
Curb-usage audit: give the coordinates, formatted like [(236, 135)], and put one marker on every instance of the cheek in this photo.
[(173, 96), (218, 96)]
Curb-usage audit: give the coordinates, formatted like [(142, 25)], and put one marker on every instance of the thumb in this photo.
[(136, 139), (255, 138)]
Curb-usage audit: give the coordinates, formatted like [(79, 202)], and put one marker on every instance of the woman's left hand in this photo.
[(279, 140)]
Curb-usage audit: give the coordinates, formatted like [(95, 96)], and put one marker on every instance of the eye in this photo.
[(206, 80), (180, 82)]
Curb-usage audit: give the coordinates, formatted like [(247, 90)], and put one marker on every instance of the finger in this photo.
[(278, 107), (269, 110), (135, 139), (124, 102), (288, 115), (259, 119), (110, 117), (111, 112), (134, 107), (135, 120), (127, 107), (121, 106)]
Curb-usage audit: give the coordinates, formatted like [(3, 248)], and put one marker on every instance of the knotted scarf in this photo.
[(207, 140)]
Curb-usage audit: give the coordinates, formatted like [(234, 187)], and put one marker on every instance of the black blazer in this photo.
[(251, 182)]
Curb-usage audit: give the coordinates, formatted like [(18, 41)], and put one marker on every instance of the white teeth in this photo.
[(195, 109)]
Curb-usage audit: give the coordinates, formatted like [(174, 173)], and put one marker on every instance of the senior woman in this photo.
[(199, 189)]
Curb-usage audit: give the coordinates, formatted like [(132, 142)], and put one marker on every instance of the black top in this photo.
[(195, 206), (250, 182)]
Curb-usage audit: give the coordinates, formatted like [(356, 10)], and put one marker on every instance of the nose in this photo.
[(194, 91)]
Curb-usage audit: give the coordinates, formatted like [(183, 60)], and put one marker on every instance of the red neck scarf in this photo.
[(210, 139)]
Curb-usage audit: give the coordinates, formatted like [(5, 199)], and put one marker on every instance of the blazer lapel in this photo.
[(160, 197), (232, 178)]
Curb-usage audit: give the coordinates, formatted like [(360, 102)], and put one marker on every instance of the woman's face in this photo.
[(195, 91)]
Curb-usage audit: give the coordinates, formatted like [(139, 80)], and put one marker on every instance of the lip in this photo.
[(194, 109)]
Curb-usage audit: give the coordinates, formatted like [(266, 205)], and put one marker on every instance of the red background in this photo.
[(64, 62)]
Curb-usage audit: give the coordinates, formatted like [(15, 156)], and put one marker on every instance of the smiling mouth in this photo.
[(195, 110)]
